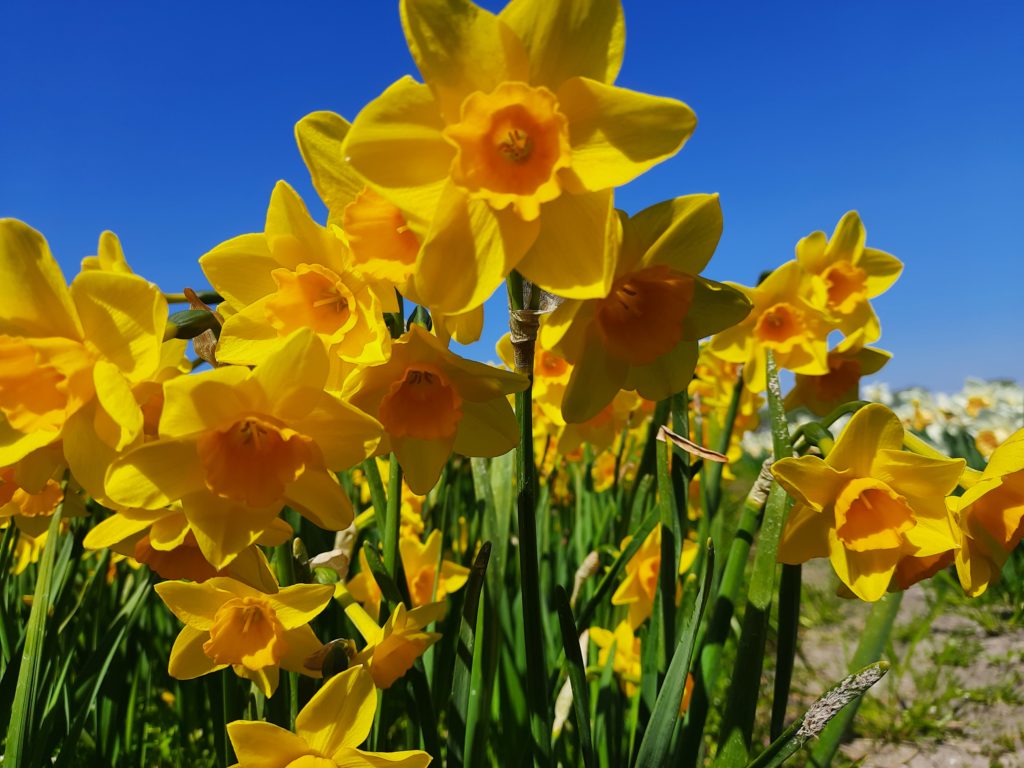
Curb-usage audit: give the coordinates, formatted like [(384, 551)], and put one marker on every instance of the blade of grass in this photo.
[(577, 677)]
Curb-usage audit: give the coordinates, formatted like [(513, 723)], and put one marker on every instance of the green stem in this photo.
[(526, 512), (392, 518), (785, 654), (23, 713)]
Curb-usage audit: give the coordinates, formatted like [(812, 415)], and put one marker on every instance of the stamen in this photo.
[(517, 146)]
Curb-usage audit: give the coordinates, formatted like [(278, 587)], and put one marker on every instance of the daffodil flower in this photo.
[(328, 732), (626, 661), (295, 274), (507, 156), (868, 504), (845, 275), (237, 445), (783, 320), (642, 333), (228, 623), (162, 539), (432, 402), (420, 562), (74, 362), (382, 245), (822, 394), (391, 650), (991, 517), (638, 588)]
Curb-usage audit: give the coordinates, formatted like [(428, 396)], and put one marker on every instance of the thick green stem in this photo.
[(392, 518)]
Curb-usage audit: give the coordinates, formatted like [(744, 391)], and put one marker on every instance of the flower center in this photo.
[(871, 515), (642, 318), (33, 396), (421, 405), (253, 460), (422, 586), (379, 238), (780, 326), (246, 631), (312, 296), (510, 144), (550, 365), (845, 285)]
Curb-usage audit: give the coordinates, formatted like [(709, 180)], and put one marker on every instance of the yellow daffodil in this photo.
[(391, 650), (782, 320), (30, 491), (236, 445), (295, 274), (382, 246), (603, 430), (506, 157), (432, 402), (991, 517), (328, 731), (845, 275), (868, 504), (162, 539), (420, 563), (822, 394), (72, 360), (228, 623), (626, 662), (642, 333), (641, 582), (27, 548)]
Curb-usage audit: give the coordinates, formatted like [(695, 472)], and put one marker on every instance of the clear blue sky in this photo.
[(169, 122)]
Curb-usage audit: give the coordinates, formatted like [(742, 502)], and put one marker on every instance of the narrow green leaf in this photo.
[(577, 676), (657, 738)]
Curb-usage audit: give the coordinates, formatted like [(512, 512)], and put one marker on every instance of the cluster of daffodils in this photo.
[(500, 166)]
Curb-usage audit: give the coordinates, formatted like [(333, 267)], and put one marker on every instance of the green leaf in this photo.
[(577, 676)]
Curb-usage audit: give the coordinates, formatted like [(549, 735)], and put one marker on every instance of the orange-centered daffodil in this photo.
[(518, 137), (868, 504)]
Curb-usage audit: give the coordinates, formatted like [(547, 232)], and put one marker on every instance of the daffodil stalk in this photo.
[(921, 447), (523, 325)]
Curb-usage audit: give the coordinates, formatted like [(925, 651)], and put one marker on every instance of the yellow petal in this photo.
[(239, 269), (931, 536), (203, 401), (460, 48), (264, 745), (1008, 456), (468, 251), (810, 480), (195, 605), (594, 381), (117, 528), (155, 474), (187, 660), (222, 527), (714, 308), (913, 475), (867, 574), (422, 460), (403, 122), (247, 337), (617, 134), (357, 758), (487, 428), (668, 375), (115, 396), (873, 428), (300, 603), (344, 434), (340, 714), (574, 252), (125, 317), (320, 136), (292, 235), (293, 376), (563, 40), (681, 234), (33, 292), (320, 498), (302, 643), (882, 271)]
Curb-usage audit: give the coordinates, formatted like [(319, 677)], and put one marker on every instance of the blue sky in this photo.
[(169, 122)]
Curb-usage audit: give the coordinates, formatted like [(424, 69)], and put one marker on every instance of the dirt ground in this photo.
[(955, 694)]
